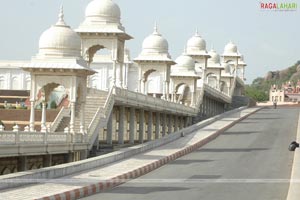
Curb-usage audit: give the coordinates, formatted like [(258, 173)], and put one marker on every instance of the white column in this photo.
[(121, 125), (114, 72), (109, 129), (43, 120), (176, 125), (121, 75), (164, 125), (170, 124), (192, 99), (72, 121), (32, 117), (168, 90), (82, 118), (164, 91), (157, 125), (150, 125), (141, 126), (132, 125)]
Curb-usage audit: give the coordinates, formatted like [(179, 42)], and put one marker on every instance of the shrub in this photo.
[(53, 105)]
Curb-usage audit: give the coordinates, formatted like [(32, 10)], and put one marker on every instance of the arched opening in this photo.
[(223, 87), (153, 83), (6, 170), (15, 83), (54, 94), (212, 80), (2, 82), (27, 83), (100, 59), (183, 94)]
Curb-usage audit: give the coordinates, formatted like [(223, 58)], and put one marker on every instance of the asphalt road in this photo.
[(250, 161)]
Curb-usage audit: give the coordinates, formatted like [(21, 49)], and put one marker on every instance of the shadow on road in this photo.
[(232, 150), (186, 162), (240, 133), (144, 190)]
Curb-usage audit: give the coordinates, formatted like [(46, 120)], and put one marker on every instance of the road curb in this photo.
[(294, 189), (115, 181)]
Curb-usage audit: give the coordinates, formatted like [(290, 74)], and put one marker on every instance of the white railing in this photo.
[(43, 138), (64, 112), (101, 115), (217, 93), (148, 101)]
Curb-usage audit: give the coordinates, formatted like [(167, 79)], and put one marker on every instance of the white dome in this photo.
[(185, 62), (103, 10), (230, 48), (60, 40), (214, 57), (155, 43), (196, 43)]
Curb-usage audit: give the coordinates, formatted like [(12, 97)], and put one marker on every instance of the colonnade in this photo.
[(210, 107), (129, 125)]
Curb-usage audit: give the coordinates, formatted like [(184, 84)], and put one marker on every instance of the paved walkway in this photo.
[(96, 180)]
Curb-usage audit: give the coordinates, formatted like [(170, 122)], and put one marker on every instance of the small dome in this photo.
[(155, 43), (196, 43), (214, 57), (60, 40), (230, 48), (103, 10), (185, 62)]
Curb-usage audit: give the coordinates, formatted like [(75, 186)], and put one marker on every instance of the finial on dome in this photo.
[(197, 33), (184, 50), (155, 28), (61, 15)]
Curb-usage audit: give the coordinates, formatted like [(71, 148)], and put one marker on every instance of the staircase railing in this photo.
[(64, 112), (101, 115)]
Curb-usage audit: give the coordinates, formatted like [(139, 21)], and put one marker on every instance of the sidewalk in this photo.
[(92, 181)]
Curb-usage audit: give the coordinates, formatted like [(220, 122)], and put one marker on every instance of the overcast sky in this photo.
[(269, 40)]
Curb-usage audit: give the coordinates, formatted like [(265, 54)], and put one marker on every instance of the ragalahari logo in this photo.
[(278, 6)]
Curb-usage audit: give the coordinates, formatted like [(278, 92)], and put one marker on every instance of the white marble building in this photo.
[(149, 72)]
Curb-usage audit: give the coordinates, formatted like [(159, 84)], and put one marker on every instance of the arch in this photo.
[(224, 87), (52, 93), (152, 79), (212, 80), (91, 51), (6, 170), (15, 83), (148, 73), (27, 83), (94, 81), (2, 82)]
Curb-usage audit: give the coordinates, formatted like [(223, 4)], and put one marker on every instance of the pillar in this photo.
[(72, 120), (43, 120), (132, 125), (114, 72), (22, 163), (82, 118), (168, 90), (109, 130), (176, 125), (150, 125), (181, 125), (32, 117), (121, 75), (170, 124), (47, 160), (164, 124), (121, 125), (157, 125), (141, 126)]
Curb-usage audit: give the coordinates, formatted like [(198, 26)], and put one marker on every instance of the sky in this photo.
[(269, 40)]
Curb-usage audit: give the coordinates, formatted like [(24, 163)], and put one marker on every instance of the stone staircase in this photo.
[(93, 101)]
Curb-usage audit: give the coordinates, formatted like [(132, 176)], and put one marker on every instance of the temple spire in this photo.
[(61, 21)]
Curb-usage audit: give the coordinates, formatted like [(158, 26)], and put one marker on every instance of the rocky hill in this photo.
[(259, 89)]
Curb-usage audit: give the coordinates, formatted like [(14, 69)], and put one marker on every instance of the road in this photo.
[(249, 161)]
